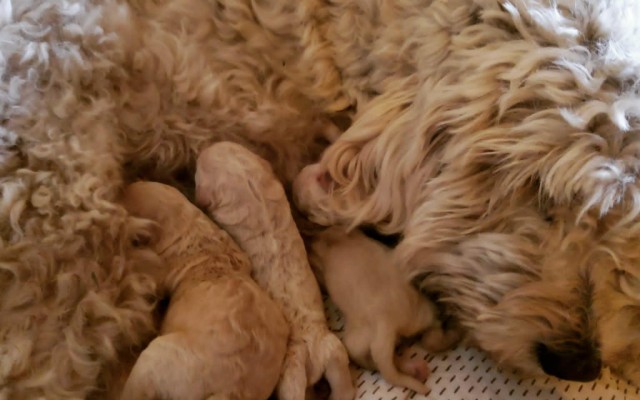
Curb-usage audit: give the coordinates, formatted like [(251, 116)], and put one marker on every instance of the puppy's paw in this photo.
[(293, 380), (417, 368), (436, 340), (326, 358), (329, 358)]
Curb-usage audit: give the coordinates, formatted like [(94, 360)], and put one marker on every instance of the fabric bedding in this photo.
[(466, 373)]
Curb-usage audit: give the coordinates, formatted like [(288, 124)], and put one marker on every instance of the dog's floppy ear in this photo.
[(629, 284)]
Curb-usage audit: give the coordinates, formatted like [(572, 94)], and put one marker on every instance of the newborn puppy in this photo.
[(378, 304), (242, 195), (222, 337)]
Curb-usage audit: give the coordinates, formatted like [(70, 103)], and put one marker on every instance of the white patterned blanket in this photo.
[(468, 374)]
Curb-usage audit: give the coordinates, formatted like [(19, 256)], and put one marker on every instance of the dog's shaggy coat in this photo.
[(500, 137), (94, 92), (506, 153)]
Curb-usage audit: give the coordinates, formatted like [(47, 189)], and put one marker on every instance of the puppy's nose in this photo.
[(324, 180), (580, 363)]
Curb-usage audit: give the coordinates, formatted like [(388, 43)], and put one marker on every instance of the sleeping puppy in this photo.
[(242, 194), (222, 337), (379, 306)]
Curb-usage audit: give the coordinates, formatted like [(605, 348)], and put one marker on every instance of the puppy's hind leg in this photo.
[(436, 339), (383, 354), (357, 340), (293, 379), (154, 375), (337, 368), (412, 365)]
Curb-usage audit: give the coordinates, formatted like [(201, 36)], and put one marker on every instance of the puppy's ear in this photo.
[(143, 232), (142, 258), (146, 261)]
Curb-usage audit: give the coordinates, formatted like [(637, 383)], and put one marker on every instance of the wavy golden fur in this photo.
[(506, 155), (499, 137), (222, 336)]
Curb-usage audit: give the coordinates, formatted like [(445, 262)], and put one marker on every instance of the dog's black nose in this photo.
[(575, 363)]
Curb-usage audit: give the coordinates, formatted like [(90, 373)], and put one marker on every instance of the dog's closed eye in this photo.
[(387, 240)]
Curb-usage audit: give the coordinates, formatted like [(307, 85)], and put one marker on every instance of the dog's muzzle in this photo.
[(579, 363)]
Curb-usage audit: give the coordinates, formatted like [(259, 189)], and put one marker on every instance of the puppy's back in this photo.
[(360, 275), (222, 333), (224, 336), (379, 305)]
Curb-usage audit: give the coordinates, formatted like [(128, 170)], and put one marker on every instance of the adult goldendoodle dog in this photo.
[(498, 137), (508, 160)]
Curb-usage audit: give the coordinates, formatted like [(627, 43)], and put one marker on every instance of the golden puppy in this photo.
[(242, 194), (223, 337), (378, 304)]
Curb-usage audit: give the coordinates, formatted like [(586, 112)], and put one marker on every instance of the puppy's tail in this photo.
[(154, 375), (382, 352)]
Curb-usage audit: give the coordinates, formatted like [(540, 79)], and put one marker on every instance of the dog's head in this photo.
[(511, 171)]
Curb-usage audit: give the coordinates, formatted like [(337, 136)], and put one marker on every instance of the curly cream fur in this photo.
[(499, 137), (96, 93), (71, 302)]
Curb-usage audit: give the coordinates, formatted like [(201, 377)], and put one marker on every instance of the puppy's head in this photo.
[(311, 194), (168, 212), (141, 241)]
